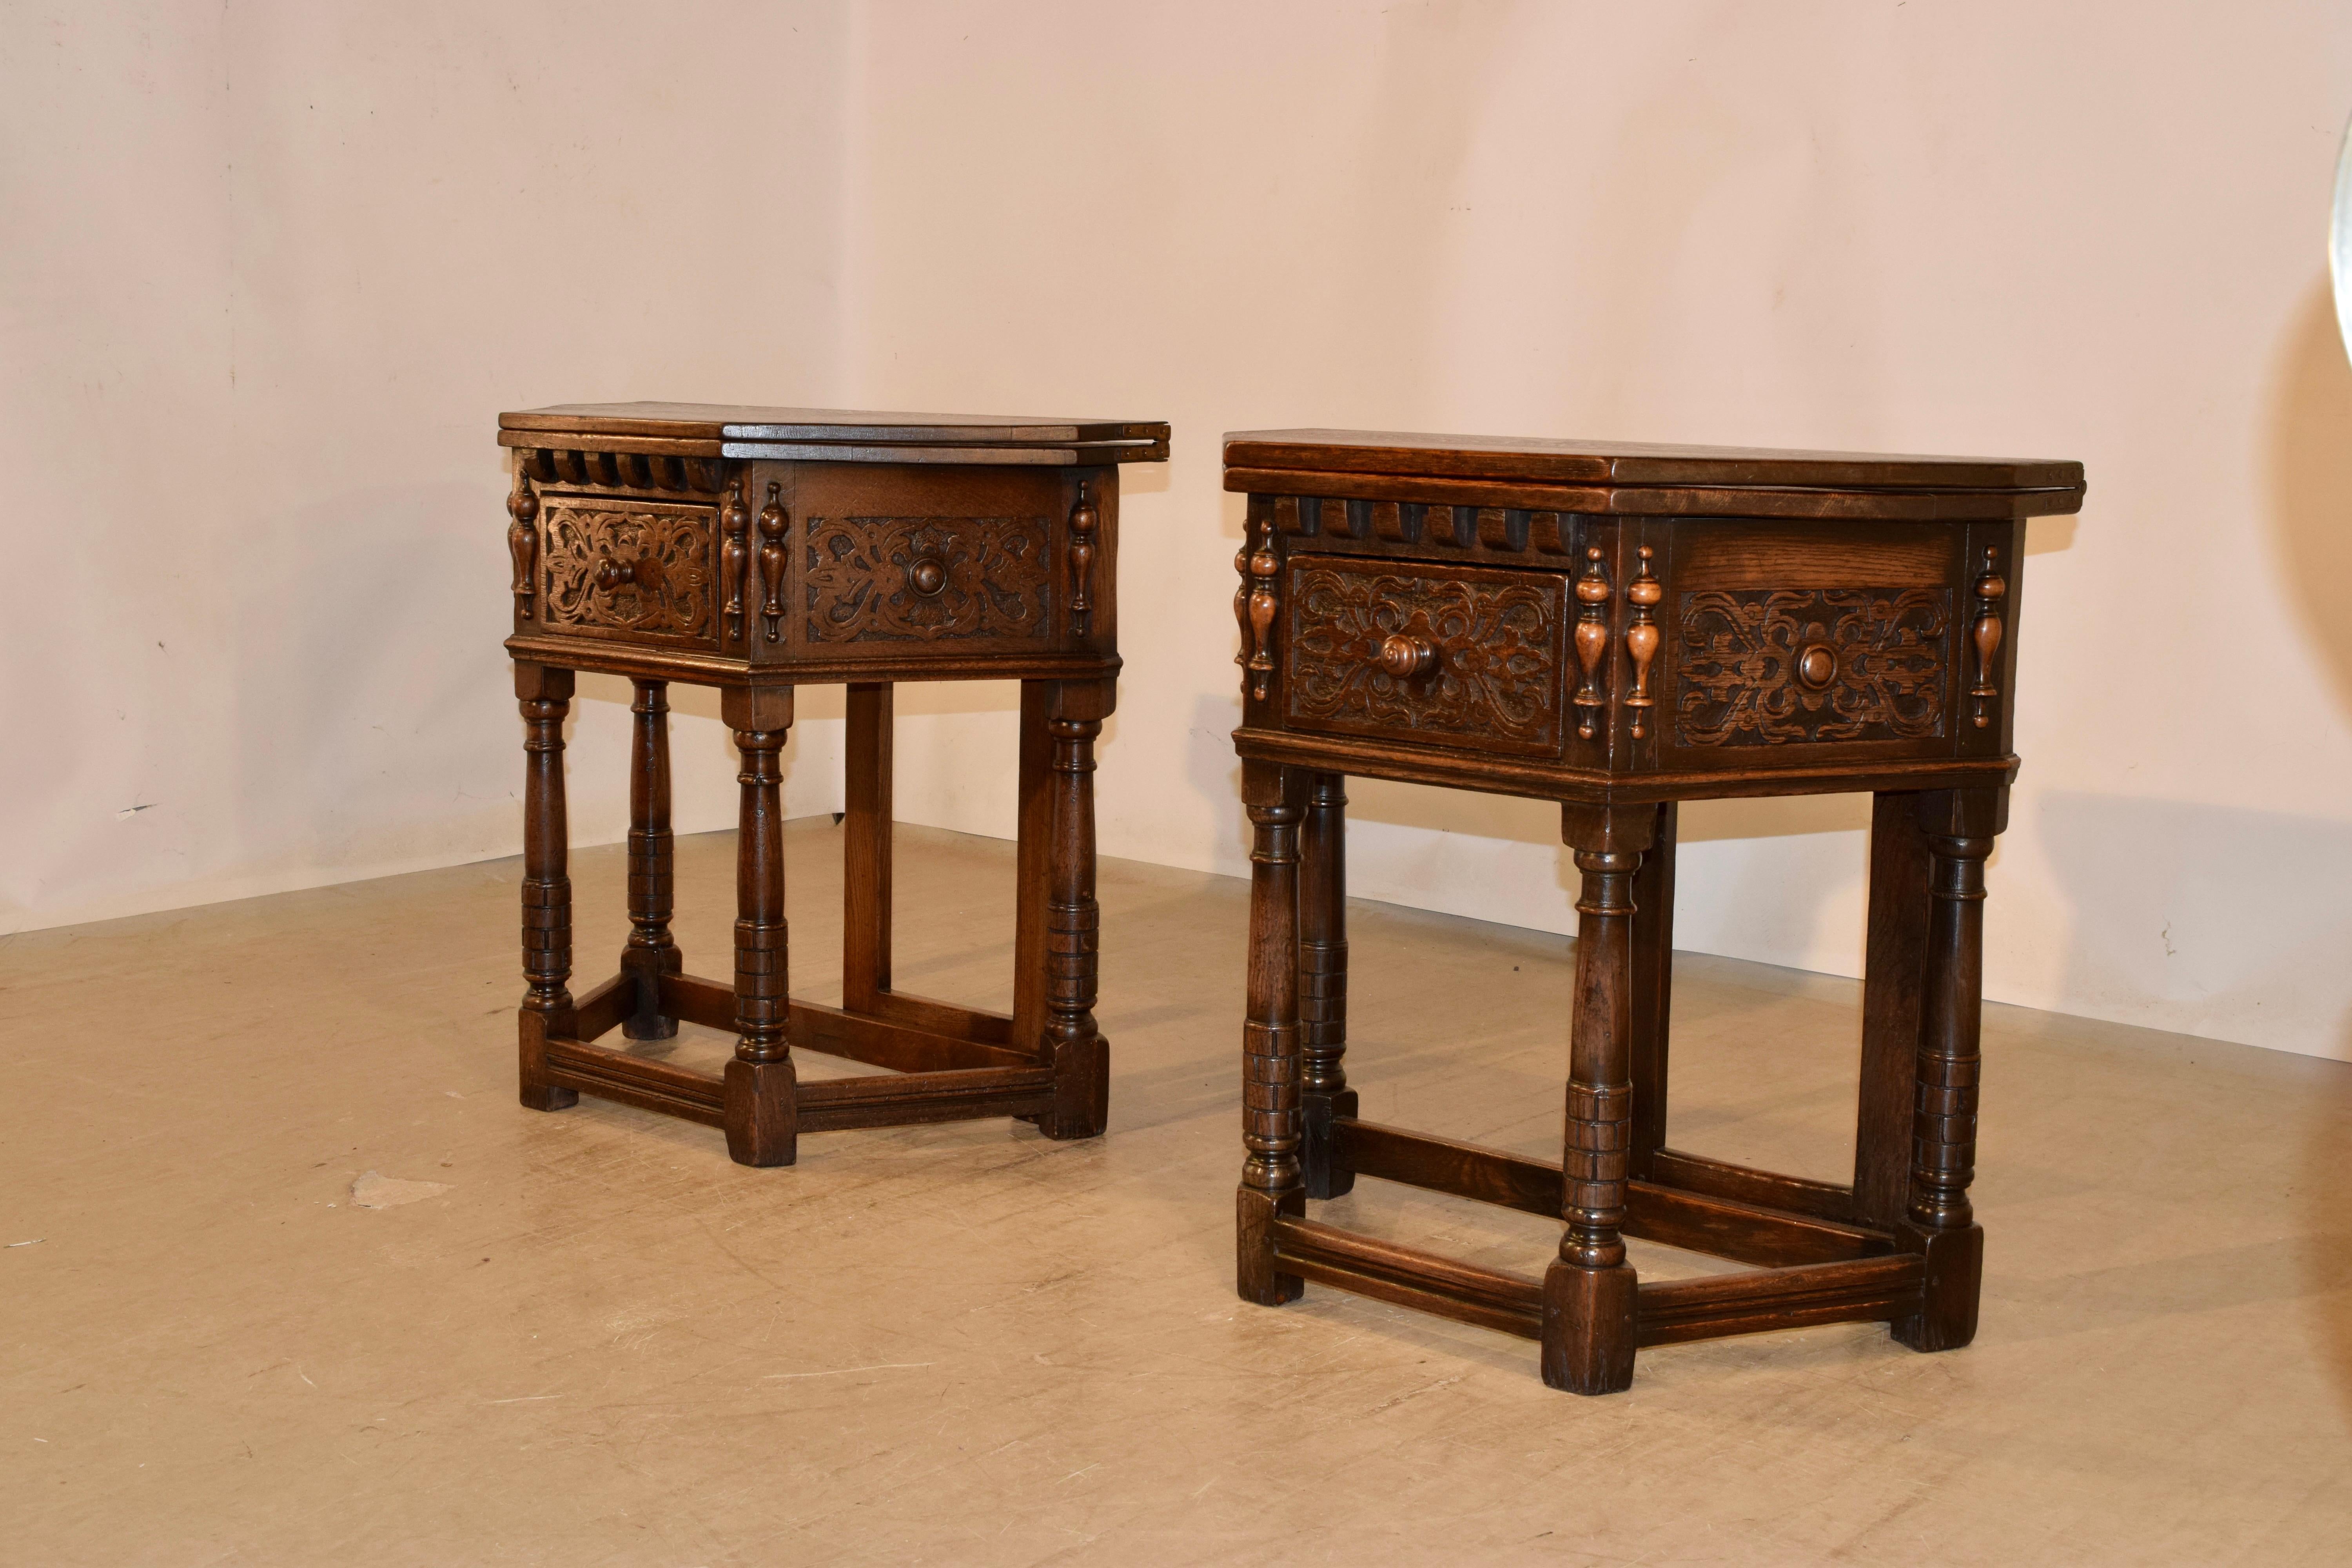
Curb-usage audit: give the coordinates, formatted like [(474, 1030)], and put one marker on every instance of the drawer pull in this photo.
[(1406, 656), (927, 576), (612, 574)]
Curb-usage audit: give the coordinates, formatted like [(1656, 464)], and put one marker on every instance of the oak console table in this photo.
[(757, 549), (1619, 629)]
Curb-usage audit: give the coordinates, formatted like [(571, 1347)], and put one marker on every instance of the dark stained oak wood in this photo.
[(1741, 1183), (1652, 988), (1407, 1276), (758, 550), (902, 1047), (1273, 1184), (1894, 949), (651, 951), (1872, 1289), (546, 695), (1589, 1288), (1323, 981), (1631, 462), (865, 853), (1619, 627), (643, 1081), (1751, 1233)]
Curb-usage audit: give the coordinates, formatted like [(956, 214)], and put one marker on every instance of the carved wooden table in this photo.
[(756, 550), (1619, 629)]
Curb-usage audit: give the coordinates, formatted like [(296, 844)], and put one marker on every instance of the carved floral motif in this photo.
[(634, 566), (928, 579), (1495, 641), (1798, 666)]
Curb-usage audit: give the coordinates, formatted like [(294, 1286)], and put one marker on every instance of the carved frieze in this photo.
[(1802, 667), (1432, 655), (928, 579), (639, 567)]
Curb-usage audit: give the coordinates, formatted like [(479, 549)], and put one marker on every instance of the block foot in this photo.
[(1256, 1277), (761, 1125), (1587, 1328)]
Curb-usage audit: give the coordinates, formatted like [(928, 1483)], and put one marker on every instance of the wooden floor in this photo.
[(586, 1338)]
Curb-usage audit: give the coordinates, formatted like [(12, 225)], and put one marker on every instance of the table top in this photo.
[(854, 435), (1539, 460)]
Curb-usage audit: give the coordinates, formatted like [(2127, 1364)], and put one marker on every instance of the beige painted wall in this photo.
[(268, 275)]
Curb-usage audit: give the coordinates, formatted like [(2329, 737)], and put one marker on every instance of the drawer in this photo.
[(1449, 656), (629, 569), (984, 581), (1802, 641)]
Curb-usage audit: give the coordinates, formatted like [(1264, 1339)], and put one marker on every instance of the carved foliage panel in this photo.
[(634, 567), (1802, 667), (1495, 637), (928, 579)]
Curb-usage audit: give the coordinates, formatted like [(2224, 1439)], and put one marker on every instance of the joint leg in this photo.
[(1589, 1296), (1940, 1225), (761, 1129), (1272, 1182), (1073, 1042), (545, 696)]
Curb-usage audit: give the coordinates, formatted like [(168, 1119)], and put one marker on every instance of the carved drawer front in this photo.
[(973, 581), (1812, 638), (635, 570), (1447, 656)]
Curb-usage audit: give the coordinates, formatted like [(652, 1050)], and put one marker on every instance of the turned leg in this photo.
[(545, 695), (653, 878), (759, 1094), (1894, 951), (1272, 1182), (865, 855), (1589, 1293), (1323, 978), (1072, 920), (1654, 986), (1959, 826)]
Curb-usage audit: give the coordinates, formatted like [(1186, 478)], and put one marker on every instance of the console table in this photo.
[(1618, 628), (757, 549)]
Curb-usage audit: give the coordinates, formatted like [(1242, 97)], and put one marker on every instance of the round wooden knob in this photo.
[(927, 576), (612, 574), (1817, 665), (1405, 656)]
